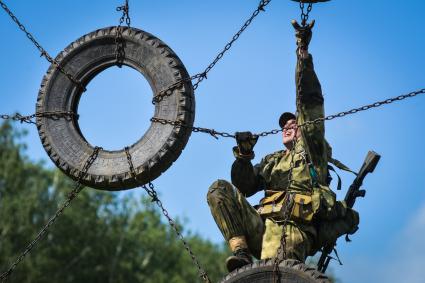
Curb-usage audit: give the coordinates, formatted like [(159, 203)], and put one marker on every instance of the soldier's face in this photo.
[(290, 131)]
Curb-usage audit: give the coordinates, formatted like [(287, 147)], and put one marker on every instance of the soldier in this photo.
[(295, 180)]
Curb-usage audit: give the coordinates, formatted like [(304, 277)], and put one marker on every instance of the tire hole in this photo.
[(116, 108)]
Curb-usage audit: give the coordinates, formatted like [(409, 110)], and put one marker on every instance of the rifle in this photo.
[(369, 164)]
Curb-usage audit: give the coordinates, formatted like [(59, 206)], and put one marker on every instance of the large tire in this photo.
[(159, 147), (291, 271)]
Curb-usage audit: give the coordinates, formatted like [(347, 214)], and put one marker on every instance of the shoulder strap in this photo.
[(340, 165), (330, 178)]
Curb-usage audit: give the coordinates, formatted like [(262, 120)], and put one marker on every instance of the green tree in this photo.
[(101, 237)]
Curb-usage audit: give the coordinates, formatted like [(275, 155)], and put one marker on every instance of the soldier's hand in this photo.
[(303, 34), (246, 142)]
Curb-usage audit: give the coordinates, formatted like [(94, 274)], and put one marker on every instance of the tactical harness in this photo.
[(302, 206)]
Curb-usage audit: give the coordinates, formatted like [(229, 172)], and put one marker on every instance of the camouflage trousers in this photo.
[(236, 217)]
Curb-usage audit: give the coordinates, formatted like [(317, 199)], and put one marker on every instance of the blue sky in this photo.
[(364, 51)]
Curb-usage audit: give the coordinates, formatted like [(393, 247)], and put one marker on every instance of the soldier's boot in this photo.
[(241, 255)]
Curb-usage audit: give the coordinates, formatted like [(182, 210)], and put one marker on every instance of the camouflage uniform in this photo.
[(326, 220)]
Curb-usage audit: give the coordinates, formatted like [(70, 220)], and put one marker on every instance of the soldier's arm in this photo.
[(309, 92), (309, 100), (246, 177), (310, 106)]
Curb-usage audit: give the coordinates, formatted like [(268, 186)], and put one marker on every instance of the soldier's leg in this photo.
[(346, 223), (299, 240), (234, 216)]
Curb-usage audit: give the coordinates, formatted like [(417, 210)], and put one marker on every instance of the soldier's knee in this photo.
[(218, 190), (352, 218)]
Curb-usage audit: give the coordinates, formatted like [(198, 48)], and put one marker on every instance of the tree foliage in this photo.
[(101, 237)]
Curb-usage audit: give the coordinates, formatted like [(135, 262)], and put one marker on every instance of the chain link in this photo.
[(281, 251), (119, 41), (304, 16), (150, 190), (266, 133), (215, 133), (203, 75), (71, 196), (54, 115), (43, 52), (365, 107), (212, 132)]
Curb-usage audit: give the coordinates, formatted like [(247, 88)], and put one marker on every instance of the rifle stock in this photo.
[(369, 165)]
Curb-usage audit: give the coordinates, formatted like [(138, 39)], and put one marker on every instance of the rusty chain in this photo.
[(43, 52), (203, 75), (119, 42), (150, 190), (71, 196), (54, 115)]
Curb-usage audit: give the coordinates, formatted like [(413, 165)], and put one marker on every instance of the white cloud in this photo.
[(408, 261), (404, 263)]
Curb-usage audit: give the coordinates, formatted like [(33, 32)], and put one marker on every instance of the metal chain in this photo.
[(203, 75), (54, 115), (71, 196), (150, 190), (266, 133), (286, 213), (212, 132), (365, 107), (119, 42), (41, 49), (281, 251), (304, 16), (261, 6)]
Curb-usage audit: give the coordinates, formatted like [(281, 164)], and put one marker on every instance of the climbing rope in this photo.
[(71, 196), (203, 75), (43, 52), (150, 190)]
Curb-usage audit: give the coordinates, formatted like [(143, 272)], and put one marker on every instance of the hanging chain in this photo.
[(281, 251), (365, 107), (119, 41), (54, 115), (150, 190), (203, 75), (71, 196), (41, 49), (266, 133), (286, 213), (212, 132), (304, 16), (261, 6)]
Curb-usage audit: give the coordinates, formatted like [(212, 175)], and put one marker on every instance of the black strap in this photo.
[(339, 178)]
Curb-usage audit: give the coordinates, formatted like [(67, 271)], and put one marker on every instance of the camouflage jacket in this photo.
[(311, 151)]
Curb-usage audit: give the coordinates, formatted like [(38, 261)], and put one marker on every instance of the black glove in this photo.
[(246, 142), (303, 34)]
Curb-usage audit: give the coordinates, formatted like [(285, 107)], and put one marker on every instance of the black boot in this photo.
[(239, 258)]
